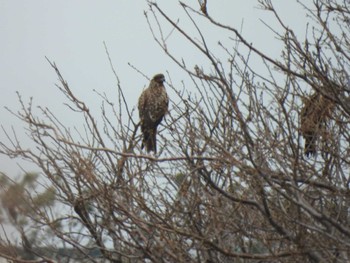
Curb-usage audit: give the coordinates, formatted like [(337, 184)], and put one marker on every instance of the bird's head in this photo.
[(159, 78)]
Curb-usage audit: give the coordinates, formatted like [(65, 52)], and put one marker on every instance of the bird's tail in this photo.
[(310, 144), (149, 140)]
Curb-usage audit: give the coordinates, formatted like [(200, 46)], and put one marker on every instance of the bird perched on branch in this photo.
[(153, 105), (314, 115)]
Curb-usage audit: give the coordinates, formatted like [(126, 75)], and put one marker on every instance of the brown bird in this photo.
[(313, 116), (153, 105)]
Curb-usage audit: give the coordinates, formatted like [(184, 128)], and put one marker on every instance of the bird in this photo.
[(314, 114), (152, 105)]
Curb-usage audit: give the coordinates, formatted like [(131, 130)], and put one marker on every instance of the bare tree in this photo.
[(231, 182)]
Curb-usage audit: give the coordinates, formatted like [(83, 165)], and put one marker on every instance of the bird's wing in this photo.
[(142, 103)]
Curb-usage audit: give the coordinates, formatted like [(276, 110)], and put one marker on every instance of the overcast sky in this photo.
[(71, 33)]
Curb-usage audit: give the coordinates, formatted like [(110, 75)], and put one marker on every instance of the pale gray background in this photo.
[(71, 33)]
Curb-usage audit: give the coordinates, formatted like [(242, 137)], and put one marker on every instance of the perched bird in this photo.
[(313, 116), (153, 105)]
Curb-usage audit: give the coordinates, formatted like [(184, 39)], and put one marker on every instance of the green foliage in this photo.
[(179, 178), (29, 180), (3, 180), (45, 199), (21, 199)]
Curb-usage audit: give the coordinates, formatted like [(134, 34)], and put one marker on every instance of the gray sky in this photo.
[(71, 33)]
